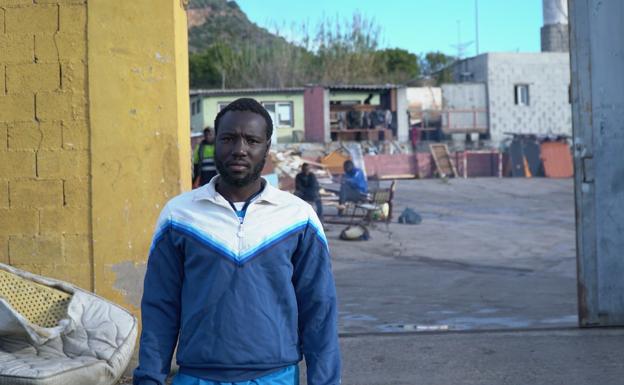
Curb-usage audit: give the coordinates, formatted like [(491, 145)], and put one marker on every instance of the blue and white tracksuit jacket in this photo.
[(243, 299)]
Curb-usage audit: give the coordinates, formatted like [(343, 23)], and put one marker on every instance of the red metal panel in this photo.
[(313, 107), (472, 164), (557, 160), (391, 165), (482, 164), (425, 164)]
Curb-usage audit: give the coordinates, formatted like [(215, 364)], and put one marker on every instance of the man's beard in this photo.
[(240, 182)]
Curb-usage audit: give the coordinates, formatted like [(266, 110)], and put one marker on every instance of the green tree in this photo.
[(202, 70), (346, 50), (211, 67), (436, 64), (232, 52), (398, 65)]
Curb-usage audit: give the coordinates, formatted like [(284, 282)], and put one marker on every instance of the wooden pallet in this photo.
[(442, 160)]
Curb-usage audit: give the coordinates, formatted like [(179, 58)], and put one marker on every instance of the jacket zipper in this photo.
[(240, 234)]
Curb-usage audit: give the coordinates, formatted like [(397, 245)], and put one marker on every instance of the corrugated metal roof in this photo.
[(292, 90), (362, 87), (246, 91)]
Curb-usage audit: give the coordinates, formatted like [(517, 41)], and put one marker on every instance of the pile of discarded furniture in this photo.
[(529, 156)]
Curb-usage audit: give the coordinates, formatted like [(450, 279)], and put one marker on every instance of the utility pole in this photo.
[(461, 47), (477, 25)]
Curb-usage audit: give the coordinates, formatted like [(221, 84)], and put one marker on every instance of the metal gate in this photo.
[(597, 60)]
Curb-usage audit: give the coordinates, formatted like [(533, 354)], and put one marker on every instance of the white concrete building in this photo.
[(526, 92), (424, 98)]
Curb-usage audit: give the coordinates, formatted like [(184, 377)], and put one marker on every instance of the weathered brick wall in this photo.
[(44, 138)]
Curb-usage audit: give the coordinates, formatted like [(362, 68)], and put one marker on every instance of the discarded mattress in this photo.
[(53, 333)]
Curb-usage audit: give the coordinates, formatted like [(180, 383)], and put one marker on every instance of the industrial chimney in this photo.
[(555, 36)]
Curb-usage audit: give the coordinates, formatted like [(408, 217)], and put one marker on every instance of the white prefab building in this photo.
[(526, 93)]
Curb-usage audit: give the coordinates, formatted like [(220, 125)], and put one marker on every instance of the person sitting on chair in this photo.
[(353, 187), (307, 188)]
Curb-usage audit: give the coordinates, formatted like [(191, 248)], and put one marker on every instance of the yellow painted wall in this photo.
[(139, 110), (44, 139), (94, 136)]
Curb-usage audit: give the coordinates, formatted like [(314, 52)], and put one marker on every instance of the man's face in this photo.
[(348, 168), (241, 147), (305, 169)]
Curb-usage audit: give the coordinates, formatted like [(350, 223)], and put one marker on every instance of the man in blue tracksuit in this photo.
[(239, 275)]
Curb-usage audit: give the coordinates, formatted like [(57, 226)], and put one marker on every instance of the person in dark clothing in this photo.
[(307, 188), (204, 167)]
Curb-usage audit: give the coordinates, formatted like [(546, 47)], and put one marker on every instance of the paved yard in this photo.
[(493, 262), (489, 254)]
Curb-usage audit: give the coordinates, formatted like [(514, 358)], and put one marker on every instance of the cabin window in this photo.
[(521, 94)]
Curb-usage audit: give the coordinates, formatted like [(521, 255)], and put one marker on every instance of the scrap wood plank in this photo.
[(397, 176), (335, 160), (442, 160)]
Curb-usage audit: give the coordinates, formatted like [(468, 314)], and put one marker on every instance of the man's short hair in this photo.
[(247, 104), (207, 129), (348, 162)]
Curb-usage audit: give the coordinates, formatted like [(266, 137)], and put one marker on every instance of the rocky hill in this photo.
[(223, 21)]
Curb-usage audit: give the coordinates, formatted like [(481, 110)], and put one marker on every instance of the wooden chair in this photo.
[(363, 211), (379, 197)]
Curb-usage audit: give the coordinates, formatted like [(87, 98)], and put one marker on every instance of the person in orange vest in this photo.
[(204, 167)]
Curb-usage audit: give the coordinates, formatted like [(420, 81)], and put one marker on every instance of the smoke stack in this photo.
[(554, 33)]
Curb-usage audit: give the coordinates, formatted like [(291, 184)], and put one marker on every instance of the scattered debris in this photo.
[(442, 159), (287, 164), (335, 160), (356, 232), (531, 156), (413, 328), (410, 217)]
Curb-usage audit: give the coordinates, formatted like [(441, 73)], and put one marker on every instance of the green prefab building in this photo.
[(285, 106), (309, 114)]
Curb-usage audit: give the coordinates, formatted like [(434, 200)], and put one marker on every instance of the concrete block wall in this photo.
[(465, 107), (549, 109), (44, 139), (472, 70), (555, 38), (464, 96)]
